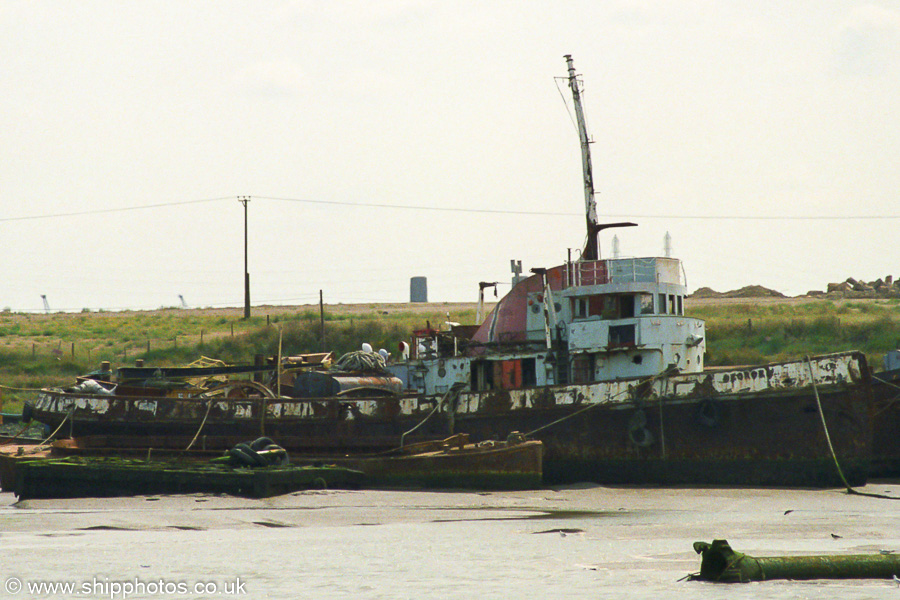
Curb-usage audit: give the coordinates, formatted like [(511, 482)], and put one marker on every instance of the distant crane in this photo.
[(46, 304), (183, 303)]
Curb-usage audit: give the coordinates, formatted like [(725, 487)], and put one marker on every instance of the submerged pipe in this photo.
[(720, 563)]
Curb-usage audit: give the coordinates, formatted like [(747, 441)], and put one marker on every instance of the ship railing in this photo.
[(586, 272), (624, 270)]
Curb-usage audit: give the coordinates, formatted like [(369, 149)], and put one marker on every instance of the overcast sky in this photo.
[(756, 133)]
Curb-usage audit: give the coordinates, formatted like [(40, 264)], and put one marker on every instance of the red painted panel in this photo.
[(511, 374)]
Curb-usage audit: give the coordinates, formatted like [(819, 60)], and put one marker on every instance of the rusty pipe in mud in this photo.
[(721, 564)]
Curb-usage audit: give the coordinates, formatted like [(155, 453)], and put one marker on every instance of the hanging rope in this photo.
[(454, 391), (209, 404), (41, 446), (840, 472), (849, 489)]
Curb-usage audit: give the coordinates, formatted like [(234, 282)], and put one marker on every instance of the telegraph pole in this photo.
[(244, 200)]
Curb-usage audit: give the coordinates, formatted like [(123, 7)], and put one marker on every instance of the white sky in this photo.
[(698, 108)]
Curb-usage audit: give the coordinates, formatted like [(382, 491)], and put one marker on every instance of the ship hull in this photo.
[(758, 426), (886, 423), (776, 440)]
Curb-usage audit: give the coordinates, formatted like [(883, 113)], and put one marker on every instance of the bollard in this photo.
[(720, 563)]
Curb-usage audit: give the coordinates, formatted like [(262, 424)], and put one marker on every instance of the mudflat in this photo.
[(570, 542)]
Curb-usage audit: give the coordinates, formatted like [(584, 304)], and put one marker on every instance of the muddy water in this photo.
[(578, 542)]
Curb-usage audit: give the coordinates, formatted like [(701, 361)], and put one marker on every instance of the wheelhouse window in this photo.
[(621, 335), (612, 306), (670, 304)]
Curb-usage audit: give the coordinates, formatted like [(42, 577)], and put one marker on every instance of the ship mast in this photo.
[(591, 252), (591, 247)]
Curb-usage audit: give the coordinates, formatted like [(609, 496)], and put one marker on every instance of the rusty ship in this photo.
[(594, 357)]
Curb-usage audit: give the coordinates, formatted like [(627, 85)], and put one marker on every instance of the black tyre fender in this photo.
[(261, 444), (245, 455), (637, 430), (641, 436), (280, 458)]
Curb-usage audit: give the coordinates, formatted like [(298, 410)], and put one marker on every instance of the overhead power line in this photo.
[(98, 211), (580, 214), (670, 217)]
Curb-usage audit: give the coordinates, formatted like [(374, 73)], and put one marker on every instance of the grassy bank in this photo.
[(39, 350), (766, 332)]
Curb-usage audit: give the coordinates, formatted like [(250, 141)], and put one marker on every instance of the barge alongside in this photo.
[(593, 357)]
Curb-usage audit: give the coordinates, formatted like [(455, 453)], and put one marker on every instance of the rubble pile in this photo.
[(748, 291), (850, 288), (853, 288)]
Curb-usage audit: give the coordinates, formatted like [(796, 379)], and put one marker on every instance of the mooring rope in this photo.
[(888, 383), (8, 441), (837, 464), (17, 389), (38, 447), (596, 404), (453, 391), (209, 404), (437, 405)]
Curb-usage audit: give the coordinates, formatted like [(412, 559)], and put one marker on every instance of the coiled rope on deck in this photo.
[(360, 360)]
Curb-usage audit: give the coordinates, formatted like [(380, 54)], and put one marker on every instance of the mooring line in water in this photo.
[(837, 464)]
